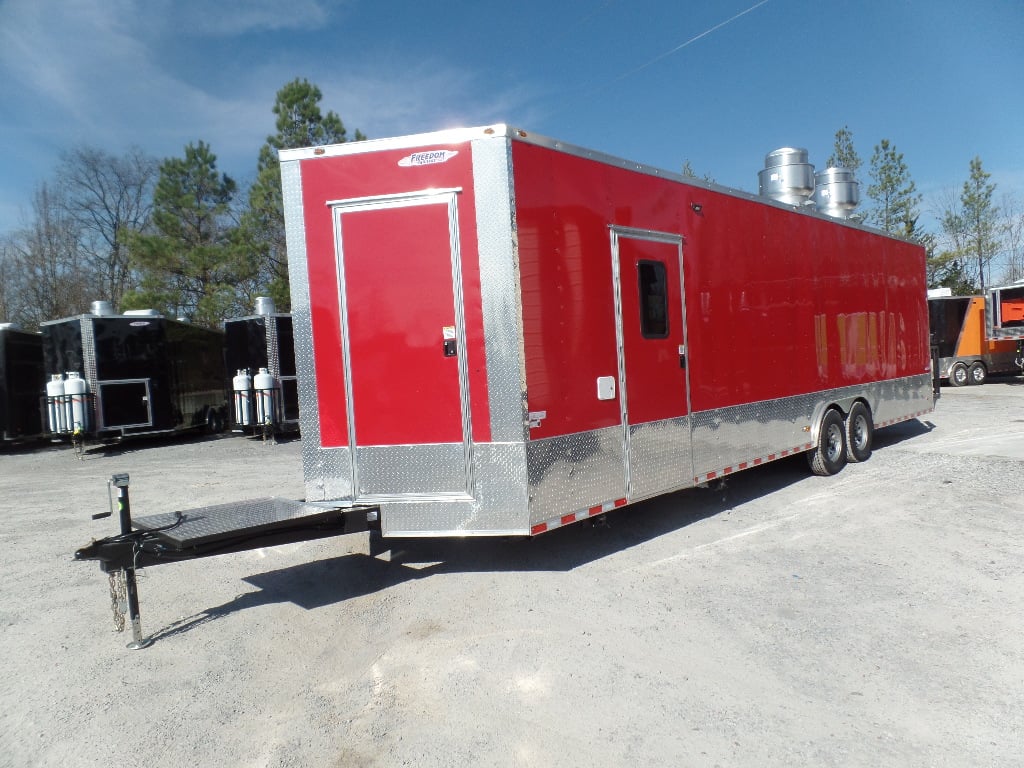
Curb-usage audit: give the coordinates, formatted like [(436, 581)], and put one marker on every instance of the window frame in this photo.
[(660, 274)]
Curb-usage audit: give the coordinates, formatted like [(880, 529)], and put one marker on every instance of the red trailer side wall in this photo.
[(778, 303), (366, 175)]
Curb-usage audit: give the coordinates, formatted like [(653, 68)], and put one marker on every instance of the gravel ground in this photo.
[(875, 618)]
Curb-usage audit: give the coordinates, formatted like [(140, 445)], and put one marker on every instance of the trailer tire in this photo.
[(977, 374), (860, 432), (829, 456), (958, 375), (214, 422)]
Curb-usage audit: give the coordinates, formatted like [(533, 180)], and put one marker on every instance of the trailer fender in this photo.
[(842, 405)]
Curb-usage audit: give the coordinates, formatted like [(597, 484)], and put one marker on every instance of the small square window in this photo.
[(653, 285)]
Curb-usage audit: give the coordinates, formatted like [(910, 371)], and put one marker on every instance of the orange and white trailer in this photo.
[(973, 340)]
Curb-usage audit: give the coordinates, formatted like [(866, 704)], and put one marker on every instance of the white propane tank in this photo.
[(78, 412), (265, 387), (55, 404), (242, 386)]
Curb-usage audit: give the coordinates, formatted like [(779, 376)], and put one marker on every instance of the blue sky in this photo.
[(660, 82)]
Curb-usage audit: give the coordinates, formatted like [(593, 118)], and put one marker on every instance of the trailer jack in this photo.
[(205, 532), (127, 572)]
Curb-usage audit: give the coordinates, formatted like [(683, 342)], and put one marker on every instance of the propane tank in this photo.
[(242, 386), (55, 404), (75, 389), (265, 386)]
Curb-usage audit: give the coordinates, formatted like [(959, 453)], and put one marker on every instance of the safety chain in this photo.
[(118, 598), (78, 443)]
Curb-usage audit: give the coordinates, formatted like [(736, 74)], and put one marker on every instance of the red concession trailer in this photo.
[(498, 333)]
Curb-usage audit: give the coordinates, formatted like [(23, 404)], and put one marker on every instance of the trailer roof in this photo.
[(505, 131)]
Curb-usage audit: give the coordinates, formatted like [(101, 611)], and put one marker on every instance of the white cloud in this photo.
[(236, 17), (102, 73)]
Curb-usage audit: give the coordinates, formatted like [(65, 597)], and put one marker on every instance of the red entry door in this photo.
[(399, 271), (652, 360)]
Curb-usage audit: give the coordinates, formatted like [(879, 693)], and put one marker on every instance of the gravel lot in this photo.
[(875, 618)]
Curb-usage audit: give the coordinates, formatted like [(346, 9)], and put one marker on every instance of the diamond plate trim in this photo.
[(327, 472), (273, 353), (498, 253), (410, 469), (89, 371)]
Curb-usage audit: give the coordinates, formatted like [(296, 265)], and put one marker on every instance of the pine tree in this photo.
[(979, 218), (300, 123), (192, 264), (844, 155), (893, 191)]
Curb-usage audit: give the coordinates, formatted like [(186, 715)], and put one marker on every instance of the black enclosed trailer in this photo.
[(21, 380), (112, 376), (259, 354)]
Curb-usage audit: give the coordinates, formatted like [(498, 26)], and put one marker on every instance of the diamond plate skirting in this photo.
[(498, 507), (659, 457), (730, 436), (574, 471)]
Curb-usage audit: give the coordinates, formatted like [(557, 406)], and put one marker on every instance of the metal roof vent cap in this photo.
[(836, 192), (787, 176), (264, 305), (101, 308), (141, 313)]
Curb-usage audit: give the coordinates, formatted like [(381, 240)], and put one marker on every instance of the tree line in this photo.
[(175, 235), (181, 237)]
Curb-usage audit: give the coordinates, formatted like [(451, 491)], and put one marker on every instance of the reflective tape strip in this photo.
[(751, 463), (573, 517), (890, 422)]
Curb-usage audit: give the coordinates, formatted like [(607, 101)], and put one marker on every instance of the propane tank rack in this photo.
[(207, 531)]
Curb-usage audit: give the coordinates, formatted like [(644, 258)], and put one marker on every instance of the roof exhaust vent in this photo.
[(101, 308), (264, 305), (836, 192), (787, 176)]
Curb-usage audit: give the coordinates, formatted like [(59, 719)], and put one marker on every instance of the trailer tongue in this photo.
[(206, 531)]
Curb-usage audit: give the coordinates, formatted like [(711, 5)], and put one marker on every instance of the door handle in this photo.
[(448, 341)]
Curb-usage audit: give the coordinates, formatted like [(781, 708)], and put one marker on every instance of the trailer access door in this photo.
[(647, 268), (400, 278)]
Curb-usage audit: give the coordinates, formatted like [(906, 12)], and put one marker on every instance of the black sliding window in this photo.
[(653, 286)]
